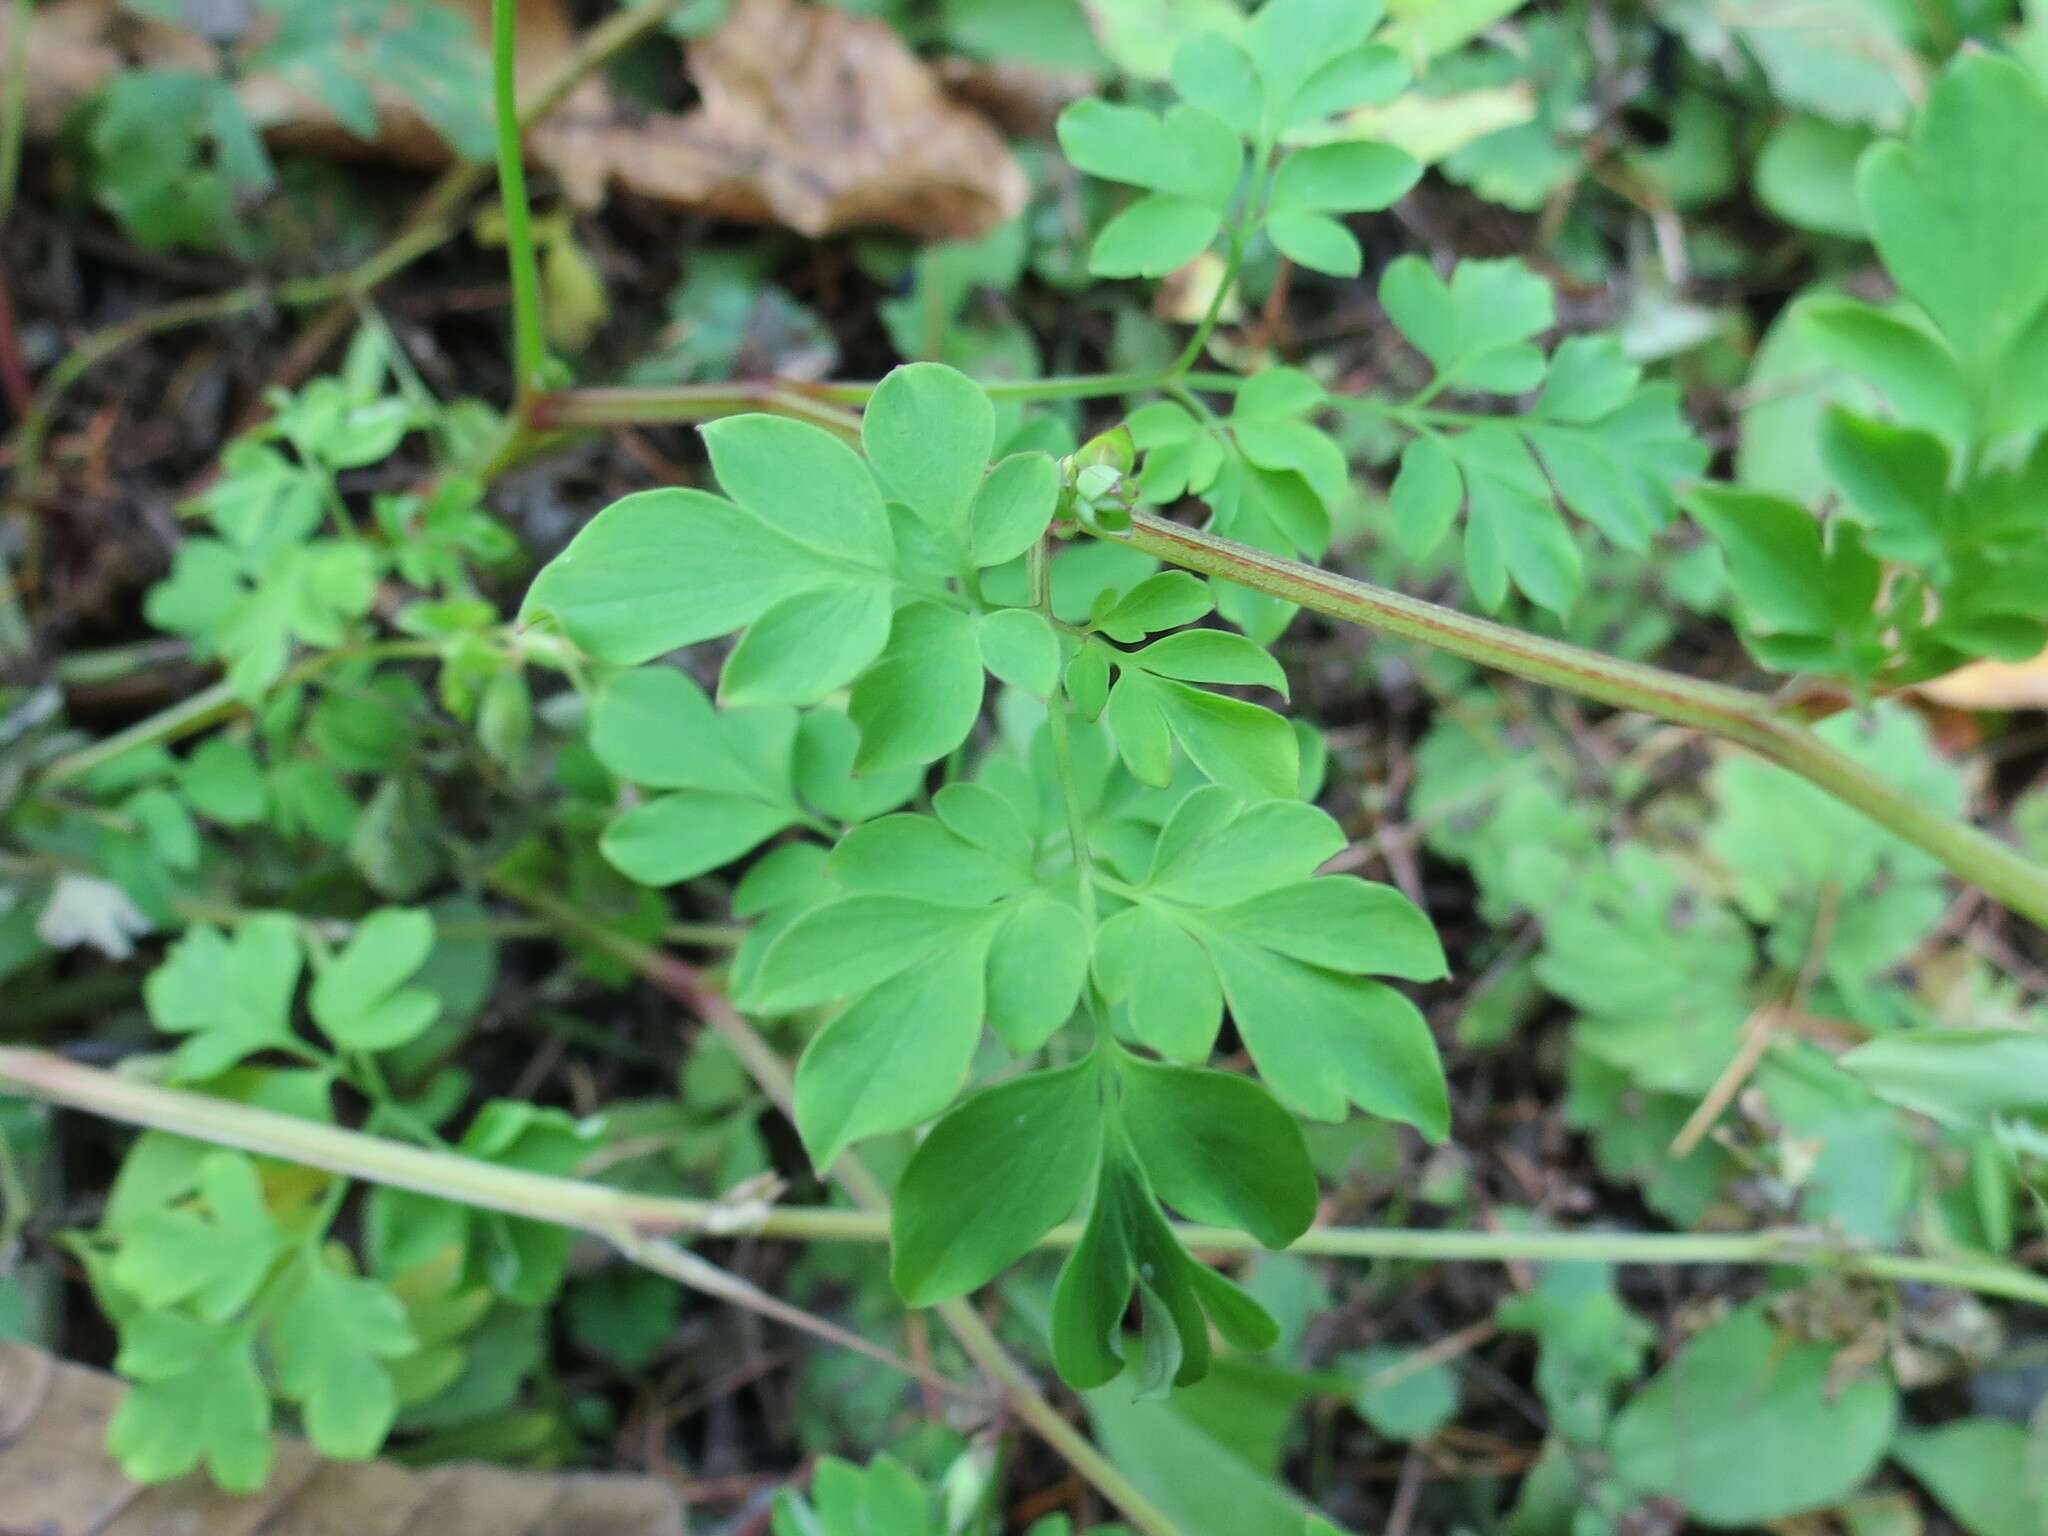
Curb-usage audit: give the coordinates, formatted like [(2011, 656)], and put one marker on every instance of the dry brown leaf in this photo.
[(1992, 685), (809, 117), (56, 1480)]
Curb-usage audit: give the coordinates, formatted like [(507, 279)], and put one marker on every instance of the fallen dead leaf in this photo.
[(1991, 685), (809, 117), (814, 119), (57, 1480)]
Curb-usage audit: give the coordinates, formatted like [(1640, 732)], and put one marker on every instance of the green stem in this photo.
[(207, 707), (1733, 714), (605, 1211), (529, 349), (216, 703), (13, 106), (1262, 156)]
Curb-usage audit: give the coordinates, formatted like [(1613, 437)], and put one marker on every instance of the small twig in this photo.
[(1442, 1352), (1759, 1030), (699, 1274)]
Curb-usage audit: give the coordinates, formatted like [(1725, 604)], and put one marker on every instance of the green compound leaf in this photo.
[(1126, 1246), (230, 997), (210, 1407), (668, 568), (1476, 329), (1232, 907), (928, 431), (1188, 160), (1154, 236), (1013, 508), (331, 1340), (1165, 601), (948, 926), (1957, 212), (1342, 178), (1597, 442), (994, 1176), (250, 607), (1186, 153), (760, 462), (1292, 41), (1218, 1149), (1019, 648), (806, 559), (897, 1055), (360, 999), (211, 1255), (923, 695), (521, 1262)]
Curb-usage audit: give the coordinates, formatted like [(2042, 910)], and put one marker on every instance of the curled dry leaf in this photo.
[(808, 117), (56, 1477)]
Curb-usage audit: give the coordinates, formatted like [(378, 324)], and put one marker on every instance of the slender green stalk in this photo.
[(13, 106), (1733, 714), (529, 347), (207, 707), (1240, 234), (216, 703), (607, 1212)]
